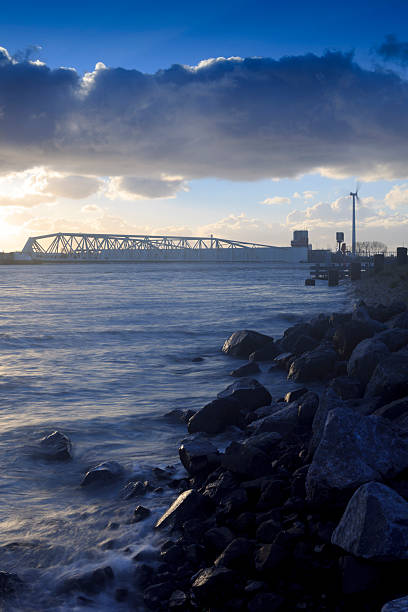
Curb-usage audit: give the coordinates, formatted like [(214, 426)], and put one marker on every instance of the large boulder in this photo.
[(243, 343), (198, 456), (103, 474), (246, 370), (267, 353), (361, 314), (291, 336), (346, 387), (214, 584), (329, 401), (314, 365), (354, 449), (396, 605), (374, 525), (189, 504), (395, 339), (365, 357), (347, 336), (382, 312), (246, 460), (216, 416), (394, 410), (56, 447), (400, 321), (308, 405), (390, 378), (284, 421), (248, 392)]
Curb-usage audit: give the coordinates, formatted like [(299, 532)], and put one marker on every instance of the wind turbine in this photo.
[(355, 197)]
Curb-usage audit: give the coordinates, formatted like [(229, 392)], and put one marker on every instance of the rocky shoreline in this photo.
[(309, 510)]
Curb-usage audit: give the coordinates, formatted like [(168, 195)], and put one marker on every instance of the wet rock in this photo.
[(400, 321), (272, 495), (397, 605), (262, 602), (308, 405), (329, 401), (381, 312), (246, 460), (214, 584), (395, 339), (346, 337), (91, 582), (375, 524), (390, 378), (140, 514), (103, 474), (358, 575), (284, 360), (246, 370), (283, 421), (319, 326), (179, 416), (394, 410), (156, 595), (365, 357), (243, 343), (361, 314), (198, 456), (346, 387), (267, 353), (56, 446), (296, 394), (220, 488), (291, 337), (269, 557), (178, 600), (266, 442), (189, 504), (267, 531), (121, 595), (248, 392), (354, 449), (218, 538), (237, 555), (216, 416), (314, 365), (134, 489), (9, 584)]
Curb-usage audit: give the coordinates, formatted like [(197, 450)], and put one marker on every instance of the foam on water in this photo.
[(102, 352)]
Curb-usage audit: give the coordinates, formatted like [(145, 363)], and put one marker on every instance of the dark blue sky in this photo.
[(152, 36)]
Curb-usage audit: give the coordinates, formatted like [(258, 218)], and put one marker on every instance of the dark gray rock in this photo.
[(246, 460), (246, 370), (397, 605), (304, 344), (381, 312), (267, 353), (314, 365), (291, 336), (400, 321), (248, 392), (395, 339), (155, 595), (374, 525), (269, 557), (103, 474), (284, 360), (266, 442), (9, 584), (319, 326), (134, 489), (361, 314), (394, 410), (243, 343), (283, 421), (178, 600), (308, 404), (140, 514), (198, 456), (56, 446), (389, 380), (329, 401), (365, 357), (346, 337), (216, 416), (218, 538), (267, 531), (214, 584), (262, 602), (296, 394), (346, 387), (179, 416), (220, 488), (353, 450), (189, 504), (91, 582), (237, 555)]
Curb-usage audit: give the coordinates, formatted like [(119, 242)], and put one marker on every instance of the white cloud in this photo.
[(276, 200), (397, 197), (135, 187)]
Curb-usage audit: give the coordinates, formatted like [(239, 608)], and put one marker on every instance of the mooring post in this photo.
[(333, 277), (401, 256), (355, 270), (378, 262)]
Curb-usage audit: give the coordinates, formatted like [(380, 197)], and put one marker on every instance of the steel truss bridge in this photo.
[(117, 247)]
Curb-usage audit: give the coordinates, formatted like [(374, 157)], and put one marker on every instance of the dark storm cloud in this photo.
[(394, 50), (233, 119)]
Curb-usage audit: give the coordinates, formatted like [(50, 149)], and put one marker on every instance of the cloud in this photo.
[(135, 187), (73, 187), (276, 200), (393, 50), (397, 197), (241, 227), (325, 214), (238, 119)]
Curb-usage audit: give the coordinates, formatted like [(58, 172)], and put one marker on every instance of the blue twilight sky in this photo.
[(122, 140)]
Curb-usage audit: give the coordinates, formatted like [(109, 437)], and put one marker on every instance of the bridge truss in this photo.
[(86, 247)]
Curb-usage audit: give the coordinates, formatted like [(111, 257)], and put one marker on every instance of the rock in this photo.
[(262, 602), (214, 584), (358, 575), (197, 359), (140, 514), (397, 605), (269, 557), (248, 392), (361, 314), (267, 353), (218, 538), (134, 489), (283, 421), (220, 488), (390, 378), (103, 474), (319, 326), (246, 370), (400, 321), (394, 410), (237, 555), (291, 337), (395, 339), (246, 460), (304, 344), (189, 504), (365, 357), (266, 442), (314, 365), (91, 582), (157, 594), (374, 525), (178, 600), (284, 360), (295, 394), (216, 416), (272, 495), (346, 387), (56, 446), (198, 456), (179, 416), (9, 584), (328, 401), (267, 531), (243, 343), (308, 405), (353, 450), (346, 337), (381, 312)]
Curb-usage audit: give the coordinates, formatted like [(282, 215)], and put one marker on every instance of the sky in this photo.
[(246, 120)]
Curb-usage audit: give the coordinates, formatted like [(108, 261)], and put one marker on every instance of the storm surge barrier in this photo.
[(75, 247)]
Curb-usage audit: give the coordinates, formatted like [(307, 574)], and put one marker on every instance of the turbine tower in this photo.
[(355, 197)]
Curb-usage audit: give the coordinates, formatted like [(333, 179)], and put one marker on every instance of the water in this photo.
[(102, 352)]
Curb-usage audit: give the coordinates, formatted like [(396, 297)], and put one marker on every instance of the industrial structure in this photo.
[(75, 247)]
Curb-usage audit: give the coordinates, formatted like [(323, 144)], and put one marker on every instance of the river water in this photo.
[(101, 352)]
